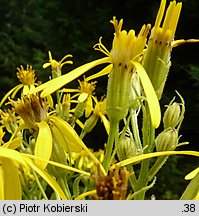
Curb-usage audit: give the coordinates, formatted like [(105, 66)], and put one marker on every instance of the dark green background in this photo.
[(29, 28)]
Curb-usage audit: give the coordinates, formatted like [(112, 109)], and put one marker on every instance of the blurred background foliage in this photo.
[(29, 28)]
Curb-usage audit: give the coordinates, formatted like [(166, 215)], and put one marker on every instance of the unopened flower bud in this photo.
[(156, 60), (79, 109), (167, 140), (171, 116), (90, 123), (127, 148)]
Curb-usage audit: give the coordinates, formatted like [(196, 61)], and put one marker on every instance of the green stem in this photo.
[(142, 180), (110, 142), (40, 186), (135, 129), (130, 197), (64, 185), (73, 122), (132, 178), (148, 140), (59, 103), (82, 135), (157, 166)]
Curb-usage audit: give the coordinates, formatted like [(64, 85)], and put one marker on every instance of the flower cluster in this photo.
[(43, 125)]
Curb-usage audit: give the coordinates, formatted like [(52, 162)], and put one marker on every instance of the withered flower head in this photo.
[(31, 108), (113, 186)]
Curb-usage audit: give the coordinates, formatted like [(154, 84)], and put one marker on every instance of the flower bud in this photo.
[(90, 123), (156, 60), (167, 140), (127, 148), (171, 116), (79, 109)]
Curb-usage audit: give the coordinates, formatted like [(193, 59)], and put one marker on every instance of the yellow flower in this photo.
[(125, 56), (9, 120), (10, 186), (63, 108), (32, 110), (11, 162), (55, 65), (83, 161), (156, 59), (65, 135), (99, 112), (126, 52), (192, 190), (48, 129), (85, 94), (27, 79)]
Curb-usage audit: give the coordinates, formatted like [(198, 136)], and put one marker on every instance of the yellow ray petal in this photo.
[(12, 186), (13, 144), (13, 155), (50, 100), (43, 146), (47, 178), (1, 134), (16, 90), (197, 196), (26, 89), (192, 174), (82, 97), (69, 90), (176, 43), (9, 93), (80, 123), (153, 103), (103, 72), (192, 190), (83, 195), (62, 135), (70, 168), (105, 122), (45, 65), (155, 154), (89, 107), (75, 139), (1, 183), (55, 84)]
